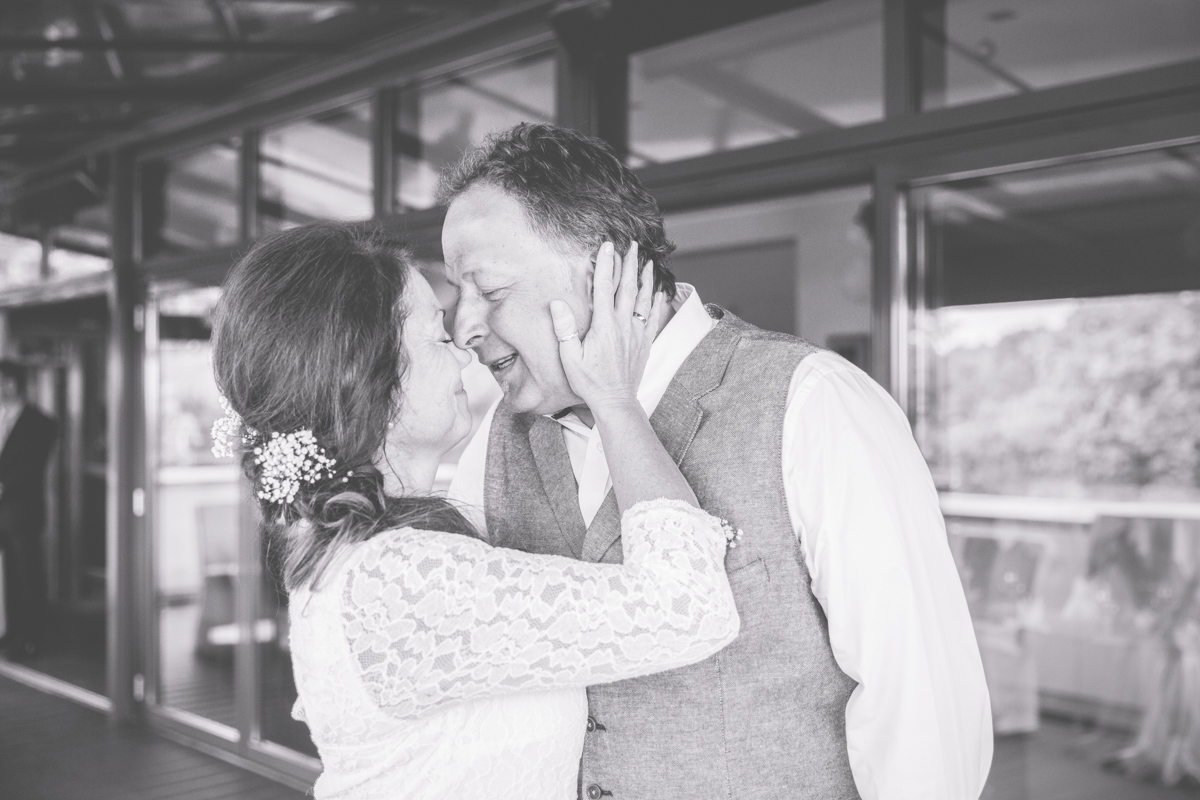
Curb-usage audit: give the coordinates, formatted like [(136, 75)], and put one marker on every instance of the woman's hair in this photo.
[(308, 335)]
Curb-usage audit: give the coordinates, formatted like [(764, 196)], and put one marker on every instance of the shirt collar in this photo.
[(689, 325)]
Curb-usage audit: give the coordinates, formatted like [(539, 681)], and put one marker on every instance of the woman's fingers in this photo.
[(627, 290), (602, 280)]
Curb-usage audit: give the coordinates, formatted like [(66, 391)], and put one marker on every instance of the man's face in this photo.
[(506, 275)]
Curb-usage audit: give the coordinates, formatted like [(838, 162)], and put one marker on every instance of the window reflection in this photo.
[(319, 168), (58, 233), (815, 68), (195, 519), (979, 49), (436, 123), (20, 260), (191, 202), (1060, 413), (277, 685)]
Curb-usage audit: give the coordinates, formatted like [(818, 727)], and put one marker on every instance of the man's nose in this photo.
[(469, 325)]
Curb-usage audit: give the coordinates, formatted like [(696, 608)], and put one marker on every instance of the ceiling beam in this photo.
[(745, 95), (43, 93), (66, 124), (147, 45)]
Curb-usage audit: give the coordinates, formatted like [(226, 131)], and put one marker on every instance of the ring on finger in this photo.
[(568, 337), (639, 317)]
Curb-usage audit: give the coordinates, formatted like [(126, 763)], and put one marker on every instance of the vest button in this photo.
[(591, 726), (594, 791)]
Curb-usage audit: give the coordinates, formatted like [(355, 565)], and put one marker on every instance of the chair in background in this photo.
[(217, 534)]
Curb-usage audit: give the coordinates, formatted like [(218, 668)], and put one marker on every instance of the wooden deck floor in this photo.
[(53, 749)]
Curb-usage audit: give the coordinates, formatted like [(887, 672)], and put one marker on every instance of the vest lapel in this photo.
[(558, 479), (677, 418)]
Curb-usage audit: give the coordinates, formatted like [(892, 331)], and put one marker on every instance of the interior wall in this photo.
[(831, 253)]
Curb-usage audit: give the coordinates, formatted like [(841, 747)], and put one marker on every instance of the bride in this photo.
[(428, 663)]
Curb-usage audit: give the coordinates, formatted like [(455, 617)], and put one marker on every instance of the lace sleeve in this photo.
[(435, 618)]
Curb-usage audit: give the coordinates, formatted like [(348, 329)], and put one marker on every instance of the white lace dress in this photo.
[(432, 665)]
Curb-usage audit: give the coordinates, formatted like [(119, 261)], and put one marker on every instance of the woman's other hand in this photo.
[(605, 367)]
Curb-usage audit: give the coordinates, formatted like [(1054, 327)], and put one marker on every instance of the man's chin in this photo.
[(527, 400)]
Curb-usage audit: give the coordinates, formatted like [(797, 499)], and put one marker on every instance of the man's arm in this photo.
[(466, 488), (865, 508)]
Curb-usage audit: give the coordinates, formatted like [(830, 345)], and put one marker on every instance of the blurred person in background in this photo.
[(856, 672), (28, 436)]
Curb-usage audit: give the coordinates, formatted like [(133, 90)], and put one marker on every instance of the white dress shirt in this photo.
[(863, 504)]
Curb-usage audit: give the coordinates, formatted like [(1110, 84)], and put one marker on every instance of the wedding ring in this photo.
[(568, 337), (639, 318)]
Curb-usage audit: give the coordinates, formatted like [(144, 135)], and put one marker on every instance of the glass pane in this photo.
[(62, 608), (20, 260), (812, 69), (437, 123), (319, 168), (171, 21), (1060, 413), (191, 202), (800, 264), (277, 690), (978, 49), (59, 232), (195, 519)]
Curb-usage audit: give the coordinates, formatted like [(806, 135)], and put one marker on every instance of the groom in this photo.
[(856, 672)]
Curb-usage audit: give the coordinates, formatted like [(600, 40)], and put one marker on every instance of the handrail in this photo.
[(1061, 510)]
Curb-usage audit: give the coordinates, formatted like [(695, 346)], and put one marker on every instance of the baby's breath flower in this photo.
[(289, 461), (228, 428), (225, 429), (732, 535)]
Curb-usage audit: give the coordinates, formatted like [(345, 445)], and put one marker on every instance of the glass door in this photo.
[(63, 350), (221, 662), (1057, 398), (194, 513)]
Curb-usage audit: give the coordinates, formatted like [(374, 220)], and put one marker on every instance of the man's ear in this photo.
[(591, 280)]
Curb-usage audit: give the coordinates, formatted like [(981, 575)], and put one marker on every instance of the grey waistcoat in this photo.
[(765, 717)]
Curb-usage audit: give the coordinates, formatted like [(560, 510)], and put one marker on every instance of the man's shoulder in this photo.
[(751, 335), (764, 353)]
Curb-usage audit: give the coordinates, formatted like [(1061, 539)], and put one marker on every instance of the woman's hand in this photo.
[(605, 367)]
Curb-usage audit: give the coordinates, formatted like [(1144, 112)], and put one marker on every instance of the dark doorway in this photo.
[(64, 345)]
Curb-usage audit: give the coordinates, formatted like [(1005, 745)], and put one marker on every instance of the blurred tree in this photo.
[(1108, 403)]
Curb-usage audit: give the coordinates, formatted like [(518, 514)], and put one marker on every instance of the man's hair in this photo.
[(573, 189), (14, 371)]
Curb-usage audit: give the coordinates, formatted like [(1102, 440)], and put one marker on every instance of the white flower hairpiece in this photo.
[(228, 428), (289, 460), (732, 535)]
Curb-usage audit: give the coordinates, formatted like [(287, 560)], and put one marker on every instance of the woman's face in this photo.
[(433, 414)]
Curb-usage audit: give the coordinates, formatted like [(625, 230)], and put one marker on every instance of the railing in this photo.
[(1082, 608)]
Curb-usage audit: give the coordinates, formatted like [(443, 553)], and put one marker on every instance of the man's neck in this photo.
[(583, 412)]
